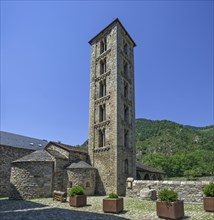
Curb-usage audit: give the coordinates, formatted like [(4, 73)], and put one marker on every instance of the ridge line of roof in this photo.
[(67, 147)]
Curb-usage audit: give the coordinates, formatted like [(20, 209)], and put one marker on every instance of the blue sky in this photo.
[(45, 63)]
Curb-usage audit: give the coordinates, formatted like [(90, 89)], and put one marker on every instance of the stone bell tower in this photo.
[(112, 108)]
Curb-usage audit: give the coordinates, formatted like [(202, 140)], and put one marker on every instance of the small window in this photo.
[(125, 89), (126, 113), (69, 185), (125, 69), (102, 138), (103, 45), (126, 138), (87, 184), (125, 48), (126, 166), (102, 113), (102, 66), (102, 88)]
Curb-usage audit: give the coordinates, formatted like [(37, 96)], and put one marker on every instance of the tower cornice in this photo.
[(116, 21)]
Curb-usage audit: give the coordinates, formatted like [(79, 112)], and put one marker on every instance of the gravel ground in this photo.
[(42, 209)]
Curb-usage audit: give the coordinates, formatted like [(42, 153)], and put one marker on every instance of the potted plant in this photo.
[(77, 197), (113, 204), (208, 200), (169, 206)]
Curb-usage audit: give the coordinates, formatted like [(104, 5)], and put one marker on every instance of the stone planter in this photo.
[(171, 210), (78, 200), (208, 204), (113, 205)]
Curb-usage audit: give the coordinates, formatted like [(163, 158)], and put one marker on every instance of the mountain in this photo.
[(177, 149)]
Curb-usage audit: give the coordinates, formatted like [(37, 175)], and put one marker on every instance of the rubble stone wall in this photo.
[(7, 155), (189, 191), (31, 180)]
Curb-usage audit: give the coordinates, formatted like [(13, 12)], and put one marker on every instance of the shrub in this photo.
[(209, 190), (168, 195), (76, 190), (113, 196)]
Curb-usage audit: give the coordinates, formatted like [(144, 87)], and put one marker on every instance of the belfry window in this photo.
[(125, 69), (103, 45), (102, 66), (102, 138), (126, 113), (102, 88), (126, 138), (125, 48), (125, 89), (126, 166), (102, 112)]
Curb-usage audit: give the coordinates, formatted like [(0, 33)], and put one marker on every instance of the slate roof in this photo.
[(67, 147), (111, 24), (79, 164), (141, 167), (39, 155), (20, 141)]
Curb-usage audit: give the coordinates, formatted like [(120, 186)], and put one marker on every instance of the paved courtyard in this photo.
[(42, 209)]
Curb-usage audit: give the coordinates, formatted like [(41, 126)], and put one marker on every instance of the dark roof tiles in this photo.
[(20, 141), (79, 164), (141, 167), (39, 155)]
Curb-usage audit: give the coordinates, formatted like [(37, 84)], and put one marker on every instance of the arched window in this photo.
[(102, 66), (69, 184), (125, 48), (125, 69), (102, 138), (126, 113), (102, 88), (126, 166), (102, 112), (125, 89), (103, 45), (126, 138)]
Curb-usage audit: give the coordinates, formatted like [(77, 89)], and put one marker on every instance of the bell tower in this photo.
[(112, 108)]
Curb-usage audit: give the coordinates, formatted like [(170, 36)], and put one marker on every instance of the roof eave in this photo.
[(113, 22)]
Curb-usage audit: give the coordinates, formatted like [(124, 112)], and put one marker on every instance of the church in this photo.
[(111, 156)]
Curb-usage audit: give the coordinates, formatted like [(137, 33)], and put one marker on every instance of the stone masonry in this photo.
[(189, 191), (7, 155), (27, 184), (112, 108)]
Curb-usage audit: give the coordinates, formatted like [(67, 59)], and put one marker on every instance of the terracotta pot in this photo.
[(208, 204), (78, 200), (171, 210), (113, 205)]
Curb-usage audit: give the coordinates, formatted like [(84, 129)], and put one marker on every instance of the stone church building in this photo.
[(111, 156)]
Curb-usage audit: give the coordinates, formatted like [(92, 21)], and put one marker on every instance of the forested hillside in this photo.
[(176, 149)]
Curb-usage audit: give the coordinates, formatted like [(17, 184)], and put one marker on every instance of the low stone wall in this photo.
[(189, 191)]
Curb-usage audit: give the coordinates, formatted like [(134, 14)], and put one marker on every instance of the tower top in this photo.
[(116, 21)]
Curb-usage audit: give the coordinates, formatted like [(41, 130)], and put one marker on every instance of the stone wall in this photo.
[(189, 191), (7, 155), (60, 174), (57, 151), (31, 180), (84, 177)]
